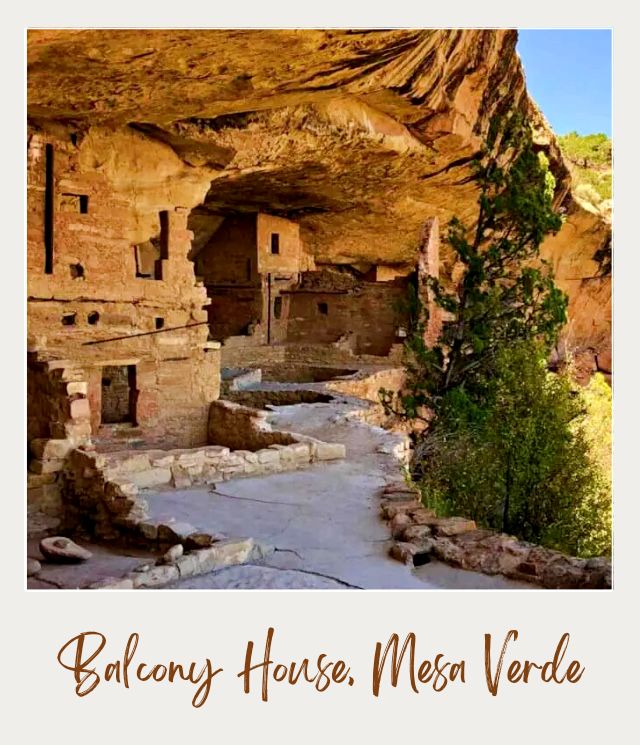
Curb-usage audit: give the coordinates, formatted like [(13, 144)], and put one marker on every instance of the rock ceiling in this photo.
[(358, 135)]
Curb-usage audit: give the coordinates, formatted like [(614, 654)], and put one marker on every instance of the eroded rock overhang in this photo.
[(357, 135)]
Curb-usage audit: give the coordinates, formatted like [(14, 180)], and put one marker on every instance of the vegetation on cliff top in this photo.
[(589, 158), (501, 439)]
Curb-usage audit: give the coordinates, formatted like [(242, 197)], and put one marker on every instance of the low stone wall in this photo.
[(419, 534), (366, 384), (243, 428), (196, 561), (293, 372), (241, 352), (181, 469), (262, 398), (102, 491)]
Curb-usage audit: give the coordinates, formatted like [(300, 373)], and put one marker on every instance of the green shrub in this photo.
[(517, 458), (590, 160)]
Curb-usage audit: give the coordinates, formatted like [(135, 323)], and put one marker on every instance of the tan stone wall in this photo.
[(242, 428), (104, 204), (239, 352), (230, 256), (288, 260), (368, 316), (245, 280)]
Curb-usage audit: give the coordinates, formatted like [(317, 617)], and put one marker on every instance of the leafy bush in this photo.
[(517, 458), (586, 150)]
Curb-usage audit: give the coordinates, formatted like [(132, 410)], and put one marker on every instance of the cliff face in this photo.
[(358, 136)]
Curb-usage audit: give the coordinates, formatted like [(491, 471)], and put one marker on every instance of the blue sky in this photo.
[(569, 77)]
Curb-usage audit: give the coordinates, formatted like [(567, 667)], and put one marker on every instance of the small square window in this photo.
[(74, 203), (275, 243), (323, 309)]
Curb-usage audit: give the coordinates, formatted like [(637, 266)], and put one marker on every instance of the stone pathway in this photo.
[(323, 521)]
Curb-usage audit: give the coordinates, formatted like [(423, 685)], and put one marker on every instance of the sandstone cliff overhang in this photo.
[(357, 135)]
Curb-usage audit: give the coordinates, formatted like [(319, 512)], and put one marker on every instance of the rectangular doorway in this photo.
[(119, 394)]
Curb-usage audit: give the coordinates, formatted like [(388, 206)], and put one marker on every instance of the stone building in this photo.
[(348, 309), (118, 346), (246, 266), (265, 292)]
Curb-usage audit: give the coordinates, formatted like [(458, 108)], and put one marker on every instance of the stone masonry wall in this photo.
[(92, 197), (241, 427), (230, 255), (104, 492), (369, 316), (236, 354), (289, 258), (419, 534)]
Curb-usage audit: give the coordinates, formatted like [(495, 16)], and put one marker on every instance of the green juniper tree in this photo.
[(502, 296), (500, 440)]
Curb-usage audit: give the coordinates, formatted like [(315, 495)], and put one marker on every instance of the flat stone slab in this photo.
[(252, 577)]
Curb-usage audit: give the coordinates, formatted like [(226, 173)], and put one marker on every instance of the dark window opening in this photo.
[(164, 234), (74, 203), (147, 261), (48, 209), (164, 242), (159, 323), (277, 307), (74, 138), (76, 271), (93, 318), (275, 243), (323, 309), (118, 394), (69, 319)]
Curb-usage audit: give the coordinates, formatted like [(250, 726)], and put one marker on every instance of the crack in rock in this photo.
[(253, 499), (288, 551), (317, 574)]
